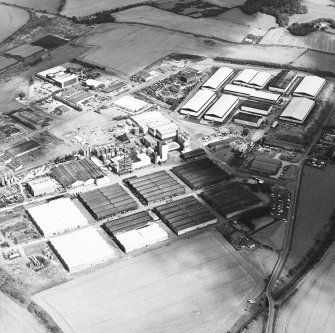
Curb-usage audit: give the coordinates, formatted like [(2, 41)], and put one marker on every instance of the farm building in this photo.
[(230, 199), (25, 52), (81, 249), (310, 86), (222, 108), (282, 144), (135, 231), (248, 119), (154, 187), (198, 103), (218, 79), (131, 104), (297, 110), (245, 76), (6, 64), (265, 165), (194, 154), (283, 81), (200, 173), (23, 148), (76, 173), (107, 201), (255, 107), (185, 215), (41, 186), (58, 77), (57, 216)]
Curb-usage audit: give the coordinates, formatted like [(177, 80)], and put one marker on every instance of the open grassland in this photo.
[(16, 319), (196, 284), (226, 3), (316, 60), (317, 40), (51, 6), (272, 235), (312, 308), (221, 29), (87, 7), (128, 48), (11, 19)]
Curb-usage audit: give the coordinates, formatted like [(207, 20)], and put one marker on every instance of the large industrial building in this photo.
[(231, 199), (200, 173), (185, 215), (107, 201), (25, 52), (154, 187), (297, 110), (81, 249), (245, 76), (42, 186), (58, 77), (23, 148), (198, 103), (265, 165), (283, 81), (252, 78), (254, 107), (57, 216), (310, 86), (221, 109), (76, 173), (252, 120), (218, 79), (131, 104)]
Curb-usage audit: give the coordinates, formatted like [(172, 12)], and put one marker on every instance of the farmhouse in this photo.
[(297, 110), (131, 104), (283, 81), (310, 86), (265, 165), (25, 52), (198, 103), (222, 108), (58, 77), (258, 108), (218, 79), (248, 119)]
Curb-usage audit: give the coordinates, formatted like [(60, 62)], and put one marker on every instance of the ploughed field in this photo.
[(197, 284)]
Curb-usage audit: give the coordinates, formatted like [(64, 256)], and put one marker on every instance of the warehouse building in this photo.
[(81, 249), (135, 231), (107, 201), (58, 77), (218, 79), (245, 76), (231, 199), (193, 155), (310, 86), (167, 132), (25, 52), (260, 80), (56, 217), (42, 186), (6, 64), (198, 103), (131, 104), (266, 165), (248, 119), (23, 148), (297, 110), (185, 215), (268, 142), (283, 81), (200, 173), (154, 187), (254, 107), (222, 108)]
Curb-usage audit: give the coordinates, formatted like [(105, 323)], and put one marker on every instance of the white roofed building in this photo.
[(41, 186), (297, 110), (310, 86), (218, 79), (221, 109), (198, 103), (260, 80), (245, 76), (131, 104), (58, 76), (167, 131)]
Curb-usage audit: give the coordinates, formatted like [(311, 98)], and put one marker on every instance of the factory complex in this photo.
[(297, 110)]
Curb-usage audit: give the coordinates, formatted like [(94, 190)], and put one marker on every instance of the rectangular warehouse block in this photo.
[(191, 215)]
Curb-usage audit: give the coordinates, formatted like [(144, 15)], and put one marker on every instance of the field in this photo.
[(312, 309), (226, 3), (87, 7), (221, 29), (193, 285), (316, 60), (11, 19), (317, 40), (51, 6)]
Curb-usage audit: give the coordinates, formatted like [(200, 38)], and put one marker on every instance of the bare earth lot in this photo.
[(312, 308), (11, 19), (51, 6), (193, 285)]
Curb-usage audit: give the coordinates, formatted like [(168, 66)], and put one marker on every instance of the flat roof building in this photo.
[(41, 186), (218, 79), (198, 103), (25, 52), (258, 108), (248, 119), (221, 109), (131, 104), (283, 81), (297, 110), (58, 77), (310, 86)]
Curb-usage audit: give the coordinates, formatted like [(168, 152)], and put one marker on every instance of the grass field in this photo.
[(316, 60), (193, 285), (272, 236), (51, 6), (317, 40), (86, 7), (226, 3), (11, 19)]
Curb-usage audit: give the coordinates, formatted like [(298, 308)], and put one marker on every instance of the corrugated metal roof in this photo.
[(297, 110), (197, 101), (310, 86), (220, 76), (222, 106), (260, 79), (246, 75)]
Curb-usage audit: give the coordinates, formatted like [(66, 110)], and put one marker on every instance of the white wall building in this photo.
[(131, 104), (42, 186)]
